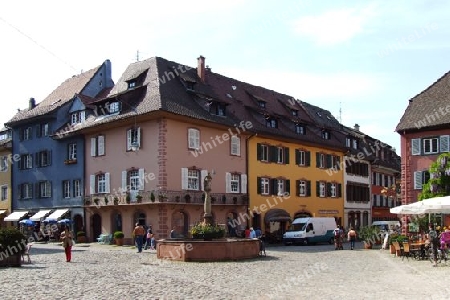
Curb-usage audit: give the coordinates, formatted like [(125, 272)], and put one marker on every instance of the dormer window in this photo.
[(300, 129), (294, 112), (131, 84), (114, 107), (217, 109), (262, 104), (325, 134), (271, 122), (355, 144), (348, 142), (77, 117)]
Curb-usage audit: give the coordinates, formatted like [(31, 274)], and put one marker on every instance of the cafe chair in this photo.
[(406, 253)]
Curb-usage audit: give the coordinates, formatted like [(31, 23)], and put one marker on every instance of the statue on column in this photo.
[(207, 217)]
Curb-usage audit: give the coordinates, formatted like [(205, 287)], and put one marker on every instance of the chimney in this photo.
[(356, 127), (32, 103), (201, 68)]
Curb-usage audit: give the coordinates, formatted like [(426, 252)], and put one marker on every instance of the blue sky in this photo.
[(363, 58)]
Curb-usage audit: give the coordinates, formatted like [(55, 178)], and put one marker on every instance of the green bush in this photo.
[(119, 235), (12, 237), (207, 231)]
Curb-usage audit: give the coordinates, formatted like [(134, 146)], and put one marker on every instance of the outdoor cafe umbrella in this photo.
[(434, 205), (26, 222)]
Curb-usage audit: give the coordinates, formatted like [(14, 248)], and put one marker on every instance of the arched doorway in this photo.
[(78, 223), (96, 226), (116, 221), (180, 220), (140, 218)]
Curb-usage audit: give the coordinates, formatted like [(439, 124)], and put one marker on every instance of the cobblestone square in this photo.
[(293, 272)]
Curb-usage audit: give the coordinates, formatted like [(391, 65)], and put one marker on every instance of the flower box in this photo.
[(70, 161)]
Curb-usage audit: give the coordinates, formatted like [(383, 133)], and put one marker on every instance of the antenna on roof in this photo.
[(340, 113), (137, 55)]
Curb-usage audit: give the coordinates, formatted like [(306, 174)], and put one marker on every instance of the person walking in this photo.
[(67, 243), (434, 241), (138, 234), (352, 237)]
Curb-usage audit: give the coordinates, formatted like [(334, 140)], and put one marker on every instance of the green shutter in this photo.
[(258, 185), (317, 188), (308, 158), (286, 155), (308, 188), (287, 182), (317, 159), (297, 156), (259, 151)]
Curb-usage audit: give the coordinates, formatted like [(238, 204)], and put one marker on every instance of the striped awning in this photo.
[(40, 215), (15, 216), (57, 214)]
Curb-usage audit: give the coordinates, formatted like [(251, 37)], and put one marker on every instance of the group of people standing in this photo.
[(144, 239), (339, 235)]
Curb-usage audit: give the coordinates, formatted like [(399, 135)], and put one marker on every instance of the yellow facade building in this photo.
[(5, 174)]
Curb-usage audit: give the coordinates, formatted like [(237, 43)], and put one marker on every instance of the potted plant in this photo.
[(369, 235), (116, 201), (207, 232), (187, 198), (139, 198), (128, 198), (96, 201), (87, 202), (10, 239), (81, 237), (106, 200), (118, 238), (152, 197)]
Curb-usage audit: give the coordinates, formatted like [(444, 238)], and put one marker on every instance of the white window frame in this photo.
[(355, 144), (4, 193), (44, 129), (322, 161), (193, 177), (235, 183), (429, 142), (66, 189), (264, 153), (44, 158), (235, 142), (348, 142), (114, 107), (101, 183), (299, 129), (133, 137), (26, 191), (322, 189), (77, 117), (72, 151), (193, 138), (333, 190), (302, 188), (45, 189), (281, 186), (301, 158), (27, 133), (77, 188), (280, 155), (265, 183)]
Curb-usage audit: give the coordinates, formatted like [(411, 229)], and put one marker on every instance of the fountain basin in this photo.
[(215, 250)]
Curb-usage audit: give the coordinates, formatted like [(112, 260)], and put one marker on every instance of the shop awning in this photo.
[(2, 212), (276, 215), (15, 216), (40, 215), (57, 214)]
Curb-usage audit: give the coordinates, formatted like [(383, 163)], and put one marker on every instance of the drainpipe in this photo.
[(247, 140)]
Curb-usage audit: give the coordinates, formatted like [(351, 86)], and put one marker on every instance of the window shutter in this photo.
[(141, 179), (444, 143), (339, 190), (38, 130), (287, 188), (92, 184), (308, 158), (329, 160), (297, 187), (124, 181), (259, 151), (227, 182), (308, 188), (415, 147), (128, 139), (38, 161), (203, 174), (273, 187), (19, 191), (139, 137), (286, 155), (317, 188), (258, 185), (107, 184), (338, 163), (20, 134), (37, 190), (101, 145), (418, 180), (273, 152), (49, 157), (244, 183), (317, 159), (93, 147), (184, 178), (297, 157)]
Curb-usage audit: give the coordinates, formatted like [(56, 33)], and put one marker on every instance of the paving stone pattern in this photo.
[(287, 272)]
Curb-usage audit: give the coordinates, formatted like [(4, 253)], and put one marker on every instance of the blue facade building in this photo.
[(48, 169)]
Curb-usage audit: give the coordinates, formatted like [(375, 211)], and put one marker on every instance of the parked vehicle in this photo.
[(386, 226), (310, 231)]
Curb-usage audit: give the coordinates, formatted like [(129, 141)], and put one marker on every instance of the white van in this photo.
[(310, 231), (385, 226)]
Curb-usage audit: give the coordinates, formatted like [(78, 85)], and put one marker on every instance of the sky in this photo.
[(361, 60)]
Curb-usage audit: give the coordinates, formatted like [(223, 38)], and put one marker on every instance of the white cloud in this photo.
[(333, 27)]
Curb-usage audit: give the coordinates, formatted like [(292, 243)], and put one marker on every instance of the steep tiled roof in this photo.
[(61, 95), (429, 108)]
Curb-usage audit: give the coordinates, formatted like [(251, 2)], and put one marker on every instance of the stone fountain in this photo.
[(207, 250)]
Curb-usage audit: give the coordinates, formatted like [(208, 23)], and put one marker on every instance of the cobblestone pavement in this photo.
[(293, 272)]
